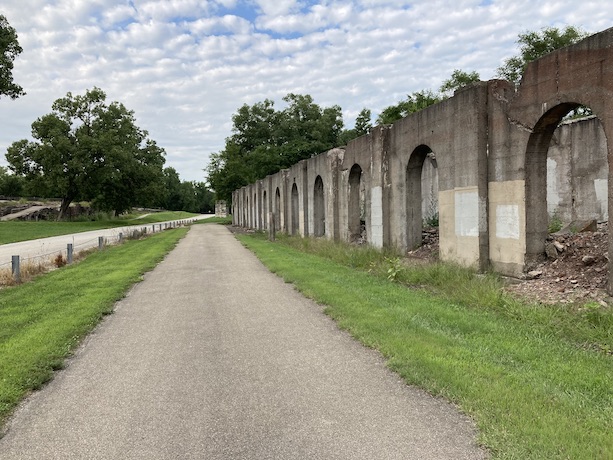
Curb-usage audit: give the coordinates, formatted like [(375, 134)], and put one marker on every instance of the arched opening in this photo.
[(254, 205), (264, 211), (566, 161), (356, 209), (246, 212), (295, 210), (319, 215), (277, 209), (421, 194)]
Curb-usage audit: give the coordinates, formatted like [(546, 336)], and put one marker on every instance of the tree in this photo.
[(265, 140), (415, 102), (86, 149), (458, 80), (11, 185), (9, 50), (533, 45)]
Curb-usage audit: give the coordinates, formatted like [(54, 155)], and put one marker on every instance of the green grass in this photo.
[(15, 231), (535, 386), (216, 220), (42, 321)]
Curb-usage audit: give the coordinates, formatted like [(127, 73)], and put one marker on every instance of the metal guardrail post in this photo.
[(16, 268)]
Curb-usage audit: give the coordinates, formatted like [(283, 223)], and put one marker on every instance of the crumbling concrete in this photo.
[(479, 159)]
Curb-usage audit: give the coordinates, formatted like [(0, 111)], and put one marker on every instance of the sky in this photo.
[(185, 66)]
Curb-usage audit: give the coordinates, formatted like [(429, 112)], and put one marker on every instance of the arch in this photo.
[(295, 210), (277, 209), (414, 206), (355, 211), (254, 206), (264, 211), (319, 214), (536, 179), (247, 212)]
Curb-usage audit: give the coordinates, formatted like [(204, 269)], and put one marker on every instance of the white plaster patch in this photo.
[(467, 214), (601, 186), (553, 192), (376, 216), (507, 221)]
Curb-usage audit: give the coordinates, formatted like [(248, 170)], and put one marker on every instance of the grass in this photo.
[(216, 220), (42, 321), (530, 375), (15, 231)]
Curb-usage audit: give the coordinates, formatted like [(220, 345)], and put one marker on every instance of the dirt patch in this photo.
[(577, 273)]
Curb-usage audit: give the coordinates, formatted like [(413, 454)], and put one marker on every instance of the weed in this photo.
[(555, 223), (395, 268), (59, 261)]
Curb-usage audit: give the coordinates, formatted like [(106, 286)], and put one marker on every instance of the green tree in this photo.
[(11, 185), (86, 149), (533, 45), (265, 140), (415, 102), (9, 50), (363, 126), (458, 80)]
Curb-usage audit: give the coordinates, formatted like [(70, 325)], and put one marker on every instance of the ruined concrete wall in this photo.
[(455, 131), (501, 168), (354, 189), (577, 172)]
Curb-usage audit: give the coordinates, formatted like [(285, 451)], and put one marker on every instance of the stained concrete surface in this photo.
[(214, 357)]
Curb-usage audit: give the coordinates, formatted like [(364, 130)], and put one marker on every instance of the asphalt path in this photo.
[(46, 248), (214, 357)]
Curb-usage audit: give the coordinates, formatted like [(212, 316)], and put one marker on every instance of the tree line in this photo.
[(87, 149), (265, 140)]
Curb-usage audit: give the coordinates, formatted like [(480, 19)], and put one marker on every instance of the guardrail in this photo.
[(66, 256)]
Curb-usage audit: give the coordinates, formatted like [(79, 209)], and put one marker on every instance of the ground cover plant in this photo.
[(15, 231), (42, 321), (216, 220), (537, 379)]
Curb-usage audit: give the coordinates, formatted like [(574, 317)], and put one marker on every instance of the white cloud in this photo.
[(185, 66)]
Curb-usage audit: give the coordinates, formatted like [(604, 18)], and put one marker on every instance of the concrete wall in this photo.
[(491, 160)]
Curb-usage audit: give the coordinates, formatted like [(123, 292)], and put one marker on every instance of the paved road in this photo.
[(46, 248), (213, 357)]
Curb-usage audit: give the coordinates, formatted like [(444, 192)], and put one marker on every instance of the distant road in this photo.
[(49, 247)]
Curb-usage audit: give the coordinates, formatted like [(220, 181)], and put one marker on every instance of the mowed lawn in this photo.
[(537, 380), (15, 231), (43, 320)]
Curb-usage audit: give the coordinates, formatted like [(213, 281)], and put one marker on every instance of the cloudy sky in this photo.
[(185, 66)]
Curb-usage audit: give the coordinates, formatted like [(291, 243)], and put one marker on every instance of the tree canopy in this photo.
[(533, 45), (265, 140), (458, 80), (9, 50), (414, 102), (86, 149)]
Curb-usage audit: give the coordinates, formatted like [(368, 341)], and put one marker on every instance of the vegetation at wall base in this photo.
[(528, 374), (42, 321)]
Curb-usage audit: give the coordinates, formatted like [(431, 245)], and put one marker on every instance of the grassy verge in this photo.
[(524, 375), (216, 220), (42, 321), (14, 231)]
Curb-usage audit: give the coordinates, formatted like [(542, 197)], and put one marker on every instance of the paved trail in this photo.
[(213, 357)]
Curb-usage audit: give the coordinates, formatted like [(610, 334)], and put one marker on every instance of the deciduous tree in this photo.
[(86, 149), (533, 45), (9, 50)]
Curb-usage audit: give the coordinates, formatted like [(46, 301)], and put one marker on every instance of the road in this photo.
[(46, 248), (213, 357)]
